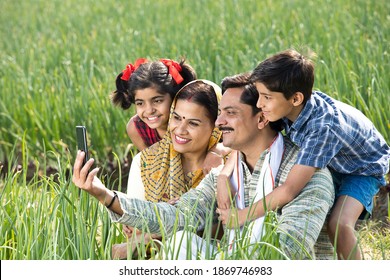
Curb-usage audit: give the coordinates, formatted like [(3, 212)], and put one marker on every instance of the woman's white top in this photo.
[(135, 187)]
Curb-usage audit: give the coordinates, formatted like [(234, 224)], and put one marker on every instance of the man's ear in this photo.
[(262, 121), (297, 99)]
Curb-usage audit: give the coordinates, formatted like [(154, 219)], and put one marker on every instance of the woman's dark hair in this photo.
[(202, 94), (249, 95), (150, 75)]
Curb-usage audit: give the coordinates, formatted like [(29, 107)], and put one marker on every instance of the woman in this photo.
[(191, 135), (172, 166)]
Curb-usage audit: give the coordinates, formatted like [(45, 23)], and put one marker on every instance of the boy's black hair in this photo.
[(287, 72)]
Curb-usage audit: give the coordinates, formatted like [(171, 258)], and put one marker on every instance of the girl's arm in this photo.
[(134, 136)]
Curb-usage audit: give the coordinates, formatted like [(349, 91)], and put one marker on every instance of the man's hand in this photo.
[(86, 180), (128, 231)]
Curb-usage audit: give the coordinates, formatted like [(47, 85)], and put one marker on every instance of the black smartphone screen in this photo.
[(81, 136)]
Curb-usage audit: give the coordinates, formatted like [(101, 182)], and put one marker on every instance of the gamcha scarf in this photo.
[(265, 185)]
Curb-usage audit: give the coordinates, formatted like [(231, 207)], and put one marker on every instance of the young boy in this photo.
[(330, 134)]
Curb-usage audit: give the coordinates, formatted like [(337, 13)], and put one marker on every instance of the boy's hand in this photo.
[(225, 192), (233, 217)]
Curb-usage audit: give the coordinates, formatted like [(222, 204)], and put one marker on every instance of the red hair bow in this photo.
[(173, 68), (130, 68)]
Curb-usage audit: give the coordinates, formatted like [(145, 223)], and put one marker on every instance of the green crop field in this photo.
[(59, 61)]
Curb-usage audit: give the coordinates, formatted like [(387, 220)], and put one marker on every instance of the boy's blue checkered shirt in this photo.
[(333, 134)]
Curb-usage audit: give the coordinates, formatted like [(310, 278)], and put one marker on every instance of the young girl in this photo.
[(151, 86)]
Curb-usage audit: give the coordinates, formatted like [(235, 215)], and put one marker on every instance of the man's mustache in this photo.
[(225, 128)]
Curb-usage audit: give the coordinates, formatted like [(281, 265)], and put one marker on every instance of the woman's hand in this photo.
[(211, 161), (86, 180), (215, 157), (173, 201)]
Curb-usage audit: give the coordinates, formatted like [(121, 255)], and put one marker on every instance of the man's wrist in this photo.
[(107, 198), (112, 200)]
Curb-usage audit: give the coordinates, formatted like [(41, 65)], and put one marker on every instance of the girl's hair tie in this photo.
[(130, 68), (173, 68)]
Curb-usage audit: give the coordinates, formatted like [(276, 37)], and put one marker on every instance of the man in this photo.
[(246, 130)]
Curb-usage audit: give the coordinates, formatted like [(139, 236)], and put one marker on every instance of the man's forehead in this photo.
[(234, 93), (232, 97)]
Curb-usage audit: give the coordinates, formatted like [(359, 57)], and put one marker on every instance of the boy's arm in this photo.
[(225, 192), (297, 178)]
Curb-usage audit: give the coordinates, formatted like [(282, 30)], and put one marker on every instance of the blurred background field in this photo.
[(59, 60)]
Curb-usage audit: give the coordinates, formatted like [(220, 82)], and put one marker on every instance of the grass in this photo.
[(374, 239), (59, 60), (48, 218)]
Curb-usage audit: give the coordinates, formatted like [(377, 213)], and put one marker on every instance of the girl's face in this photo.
[(190, 128), (153, 107)]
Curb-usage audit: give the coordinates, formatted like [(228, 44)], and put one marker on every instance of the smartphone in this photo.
[(81, 136)]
